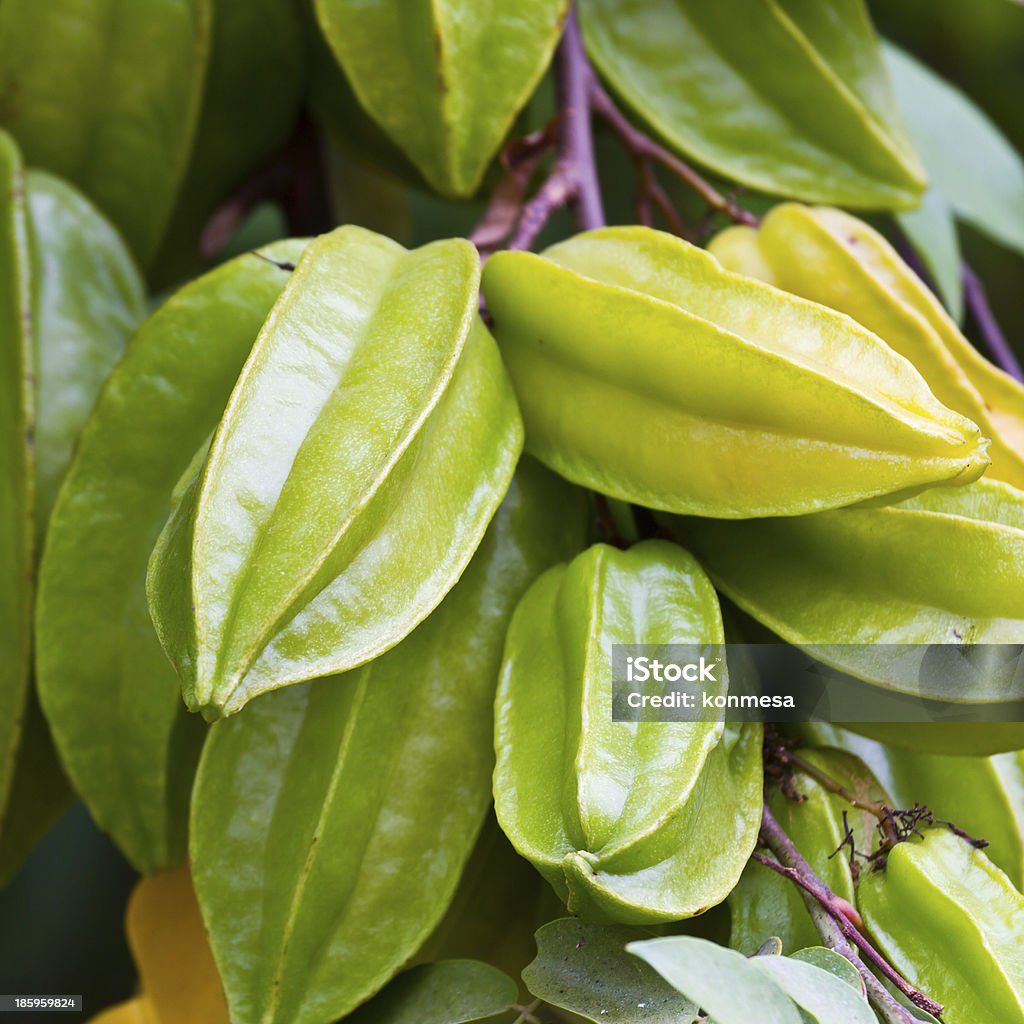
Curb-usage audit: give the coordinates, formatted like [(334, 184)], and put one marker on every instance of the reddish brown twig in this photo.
[(520, 159), (573, 180), (832, 919), (644, 147)]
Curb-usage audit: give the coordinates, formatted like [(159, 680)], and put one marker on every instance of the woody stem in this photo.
[(834, 925)]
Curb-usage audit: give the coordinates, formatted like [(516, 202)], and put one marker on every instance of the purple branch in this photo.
[(991, 332), (792, 865), (574, 177), (574, 180), (645, 148), (574, 77)]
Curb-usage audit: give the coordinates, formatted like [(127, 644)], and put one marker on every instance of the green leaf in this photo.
[(823, 998), (446, 79), (584, 968), (858, 583), (114, 704), (17, 459), (447, 992), (971, 164), (355, 801), (788, 96), (368, 442), (715, 394), (632, 822), (726, 985), (931, 229), (106, 94), (346, 126), (251, 101), (829, 960)]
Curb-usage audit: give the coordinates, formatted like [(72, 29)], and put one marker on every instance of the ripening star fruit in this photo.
[(361, 796), (633, 822), (862, 585), (831, 257), (368, 442), (646, 371), (70, 295), (952, 924)]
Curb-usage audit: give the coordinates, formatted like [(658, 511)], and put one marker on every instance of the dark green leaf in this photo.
[(584, 968), (85, 298), (17, 459), (446, 992), (250, 104), (39, 792)]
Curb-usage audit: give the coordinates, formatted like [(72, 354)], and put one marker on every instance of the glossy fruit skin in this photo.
[(160, 403), (73, 295), (831, 257), (647, 372), (107, 95), (678, 62), (853, 582), (341, 499), (17, 463), (444, 79), (359, 797), (574, 791), (498, 905), (953, 924)]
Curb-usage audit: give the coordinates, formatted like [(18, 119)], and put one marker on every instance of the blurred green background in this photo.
[(61, 918)]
